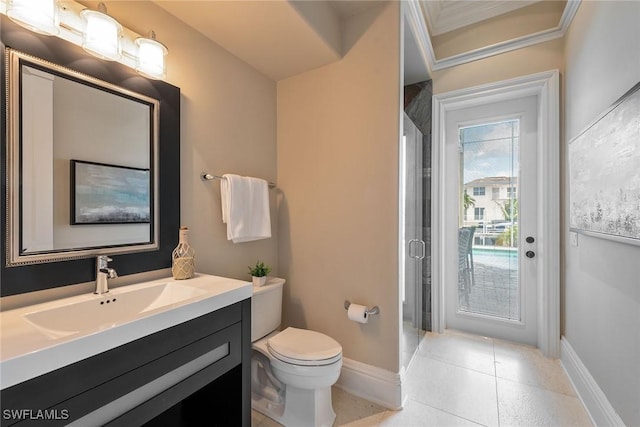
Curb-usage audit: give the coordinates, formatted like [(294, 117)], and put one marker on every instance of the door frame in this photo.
[(546, 86)]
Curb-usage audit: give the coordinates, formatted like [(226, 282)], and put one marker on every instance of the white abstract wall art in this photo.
[(604, 173)]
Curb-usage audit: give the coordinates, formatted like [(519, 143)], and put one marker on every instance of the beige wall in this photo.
[(602, 290), (338, 133), (530, 60), (228, 125)]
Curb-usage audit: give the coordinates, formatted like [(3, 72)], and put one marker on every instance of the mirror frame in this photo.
[(17, 279), (15, 61)]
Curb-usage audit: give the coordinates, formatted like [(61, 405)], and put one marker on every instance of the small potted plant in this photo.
[(259, 273)]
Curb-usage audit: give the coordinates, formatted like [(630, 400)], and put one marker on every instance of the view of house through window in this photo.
[(488, 235)]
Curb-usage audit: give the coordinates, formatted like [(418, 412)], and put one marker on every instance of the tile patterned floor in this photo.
[(457, 379)]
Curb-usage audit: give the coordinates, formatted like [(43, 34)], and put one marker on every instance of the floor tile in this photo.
[(466, 351), (256, 418), (415, 414), (526, 405), (456, 379), (459, 391), (268, 422), (527, 365), (351, 411), (354, 411), (259, 420)]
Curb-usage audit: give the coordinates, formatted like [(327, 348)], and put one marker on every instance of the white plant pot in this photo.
[(259, 281)]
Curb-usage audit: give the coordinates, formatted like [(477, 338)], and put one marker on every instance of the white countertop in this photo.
[(26, 352)]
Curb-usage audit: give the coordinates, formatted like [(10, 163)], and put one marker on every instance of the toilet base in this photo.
[(302, 408), (292, 395)]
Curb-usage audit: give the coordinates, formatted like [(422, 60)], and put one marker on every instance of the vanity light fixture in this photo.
[(98, 33), (151, 57), (40, 16), (102, 33)]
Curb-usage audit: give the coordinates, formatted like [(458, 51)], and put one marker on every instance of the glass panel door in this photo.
[(488, 234), (490, 201)]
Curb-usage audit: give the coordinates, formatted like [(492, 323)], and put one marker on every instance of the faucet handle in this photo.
[(103, 261)]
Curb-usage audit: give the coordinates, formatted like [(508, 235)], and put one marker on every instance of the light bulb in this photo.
[(40, 16), (101, 35), (151, 61)]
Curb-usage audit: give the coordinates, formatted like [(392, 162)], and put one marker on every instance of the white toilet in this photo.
[(291, 371)]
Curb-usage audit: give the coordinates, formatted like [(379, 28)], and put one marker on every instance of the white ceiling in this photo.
[(346, 9), (274, 37), (282, 38), (443, 16)]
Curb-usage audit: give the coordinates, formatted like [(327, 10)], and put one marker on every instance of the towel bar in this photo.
[(209, 177)]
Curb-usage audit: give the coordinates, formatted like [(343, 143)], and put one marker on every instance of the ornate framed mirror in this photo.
[(63, 108)]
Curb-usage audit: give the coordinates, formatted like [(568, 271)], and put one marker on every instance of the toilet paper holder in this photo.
[(374, 310)]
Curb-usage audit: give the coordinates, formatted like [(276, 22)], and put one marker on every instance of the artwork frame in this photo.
[(604, 173), (103, 193)]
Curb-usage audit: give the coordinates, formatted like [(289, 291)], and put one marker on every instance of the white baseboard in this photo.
[(592, 397), (372, 383)]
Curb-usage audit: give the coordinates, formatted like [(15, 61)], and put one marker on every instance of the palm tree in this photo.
[(509, 237), (510, 210), (468, 201)]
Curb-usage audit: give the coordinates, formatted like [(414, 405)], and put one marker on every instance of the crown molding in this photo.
[(444, 16), (419, 27)]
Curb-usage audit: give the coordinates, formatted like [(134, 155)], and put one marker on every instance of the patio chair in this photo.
[(469, 255), (464, 274)]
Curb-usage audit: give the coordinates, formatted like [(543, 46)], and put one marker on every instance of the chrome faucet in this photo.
[(103, 272)]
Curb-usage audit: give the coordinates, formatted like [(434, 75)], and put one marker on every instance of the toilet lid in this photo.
[(303, 347)]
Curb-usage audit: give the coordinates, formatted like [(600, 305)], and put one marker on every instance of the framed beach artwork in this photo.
[(109, 194), (604, 173)]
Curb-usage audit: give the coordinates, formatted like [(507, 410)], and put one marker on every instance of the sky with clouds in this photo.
[(490, 150)]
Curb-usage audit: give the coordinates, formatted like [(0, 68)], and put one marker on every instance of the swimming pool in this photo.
[(506, 258)]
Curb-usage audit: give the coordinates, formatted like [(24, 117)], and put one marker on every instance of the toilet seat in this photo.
[(304, 347)]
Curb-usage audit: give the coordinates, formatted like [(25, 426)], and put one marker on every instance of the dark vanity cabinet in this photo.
[(135, 384)]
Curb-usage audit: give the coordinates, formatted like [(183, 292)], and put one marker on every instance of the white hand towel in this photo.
[(245, 208)]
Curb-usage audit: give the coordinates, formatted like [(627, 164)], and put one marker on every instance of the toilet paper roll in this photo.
[(358, 313)]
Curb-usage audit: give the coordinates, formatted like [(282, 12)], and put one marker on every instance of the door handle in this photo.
[(423, 246)]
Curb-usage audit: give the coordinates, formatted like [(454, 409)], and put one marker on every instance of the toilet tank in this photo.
[(266, 308)]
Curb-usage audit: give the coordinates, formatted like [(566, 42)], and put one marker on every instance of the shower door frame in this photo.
[(413, 223)]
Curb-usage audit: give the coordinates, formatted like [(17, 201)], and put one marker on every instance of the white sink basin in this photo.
[(107, 310), (43, 337)]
